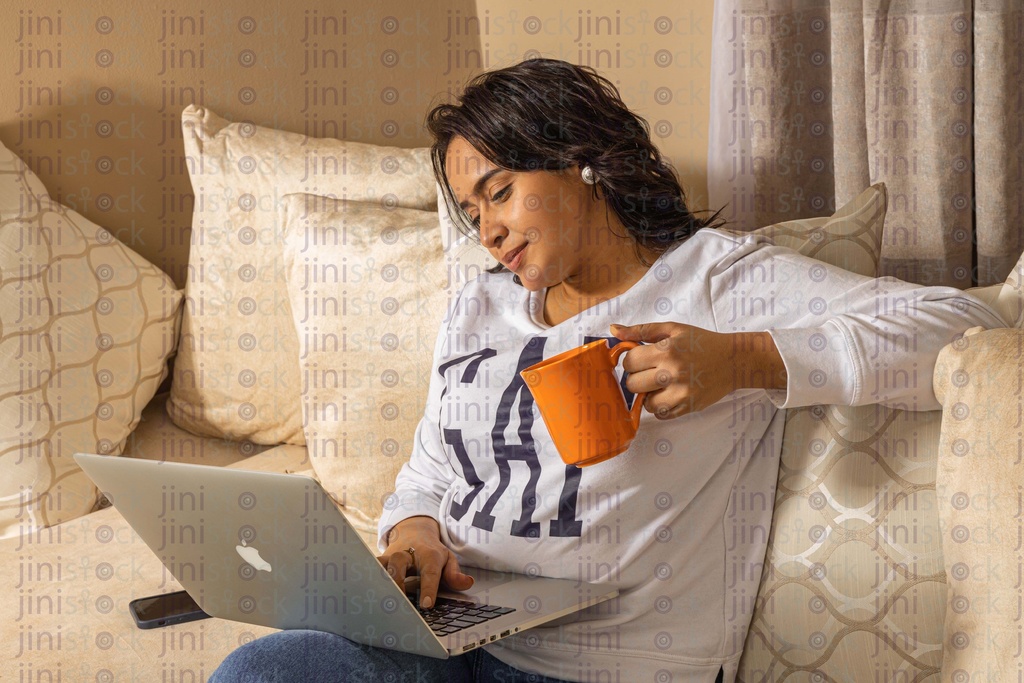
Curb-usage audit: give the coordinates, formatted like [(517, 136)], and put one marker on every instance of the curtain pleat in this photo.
[(789, 77), (998, 136), (849, 100)]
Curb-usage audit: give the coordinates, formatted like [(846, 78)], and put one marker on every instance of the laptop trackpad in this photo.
[(483, 579)]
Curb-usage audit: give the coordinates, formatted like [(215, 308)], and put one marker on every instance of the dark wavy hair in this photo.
[(546, 114)]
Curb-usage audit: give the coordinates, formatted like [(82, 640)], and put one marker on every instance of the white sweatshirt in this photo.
[(679, 523)]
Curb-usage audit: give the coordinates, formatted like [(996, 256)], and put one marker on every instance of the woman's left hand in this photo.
[(685, 369)]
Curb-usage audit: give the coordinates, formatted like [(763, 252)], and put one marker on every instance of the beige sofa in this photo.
[(870, 573)]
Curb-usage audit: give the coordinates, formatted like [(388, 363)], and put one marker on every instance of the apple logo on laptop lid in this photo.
[(252, 556)]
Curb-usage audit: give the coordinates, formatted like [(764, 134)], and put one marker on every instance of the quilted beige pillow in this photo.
[(86, 326), (236, 375), (369, 289), (854, 563)]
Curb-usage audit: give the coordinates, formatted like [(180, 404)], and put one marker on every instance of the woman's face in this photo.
[(540, 225)]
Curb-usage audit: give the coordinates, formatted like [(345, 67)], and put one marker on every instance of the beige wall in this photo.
[(91, 97), (657, 52)]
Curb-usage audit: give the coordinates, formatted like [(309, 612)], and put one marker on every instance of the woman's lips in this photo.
[(517, 259)]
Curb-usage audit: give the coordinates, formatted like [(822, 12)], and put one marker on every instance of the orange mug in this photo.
[(582, 404)]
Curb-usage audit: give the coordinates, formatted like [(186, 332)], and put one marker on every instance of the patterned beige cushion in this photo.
[(86, 327), (854, 563), (236, 375), (368, 300), (851, 238)]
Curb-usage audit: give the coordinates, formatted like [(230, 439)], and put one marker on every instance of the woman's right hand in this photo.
[(430, 559)]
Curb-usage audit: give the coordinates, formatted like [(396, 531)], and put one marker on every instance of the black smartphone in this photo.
[(164, 610)]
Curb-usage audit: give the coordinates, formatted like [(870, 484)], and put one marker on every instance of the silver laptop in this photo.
[(274, 550)]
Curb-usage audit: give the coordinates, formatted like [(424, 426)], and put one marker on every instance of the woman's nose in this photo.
[(492, 232)]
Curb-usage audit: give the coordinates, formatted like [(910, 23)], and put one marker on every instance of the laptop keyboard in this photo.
[(449, 616)]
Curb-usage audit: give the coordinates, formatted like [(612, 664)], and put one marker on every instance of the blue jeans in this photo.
[(298, 655)]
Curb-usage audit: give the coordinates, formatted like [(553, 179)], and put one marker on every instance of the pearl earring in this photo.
[(588, 176)]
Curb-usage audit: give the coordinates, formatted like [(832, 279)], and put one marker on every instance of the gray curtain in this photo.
[(813, 100)]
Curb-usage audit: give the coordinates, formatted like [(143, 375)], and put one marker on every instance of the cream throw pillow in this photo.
[(369, 289), (236, 375), (86, 327)]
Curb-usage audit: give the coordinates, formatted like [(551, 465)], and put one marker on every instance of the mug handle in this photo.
[(638, 401)]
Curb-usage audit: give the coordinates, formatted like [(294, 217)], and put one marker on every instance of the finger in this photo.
[(666, 410), (646, 332), (672, 412), (385, 561), (649, 380), (453, 576), (430, 580), (643, 358), (661, 352), (678, 411), (398, 566), (676, 402)]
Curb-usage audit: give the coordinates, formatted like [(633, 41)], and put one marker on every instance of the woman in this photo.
[(562, 184)]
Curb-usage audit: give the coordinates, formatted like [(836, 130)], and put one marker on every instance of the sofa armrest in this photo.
[(978, 380)]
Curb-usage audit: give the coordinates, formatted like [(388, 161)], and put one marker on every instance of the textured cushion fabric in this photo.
[(369, 288), (87, 327), (854, 562), (236, 375), (978, 486)]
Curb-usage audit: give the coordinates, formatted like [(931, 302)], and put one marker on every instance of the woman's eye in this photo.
[(497, 197)]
